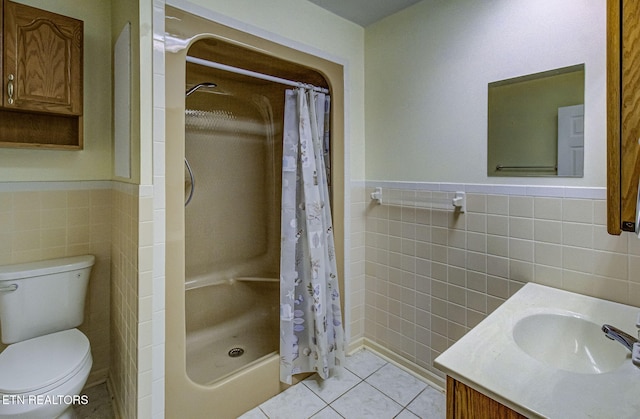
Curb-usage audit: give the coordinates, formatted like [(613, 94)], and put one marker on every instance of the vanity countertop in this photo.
[(489, 360)]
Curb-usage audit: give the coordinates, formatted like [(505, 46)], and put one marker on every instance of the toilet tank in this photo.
[(43, 297)]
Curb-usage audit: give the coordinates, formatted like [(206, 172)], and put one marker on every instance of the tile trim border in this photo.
[(56, 185), (40, 186)]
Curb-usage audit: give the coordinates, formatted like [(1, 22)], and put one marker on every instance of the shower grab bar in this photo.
[(9, 288), (192, 180), (256, 279), (458, 202)]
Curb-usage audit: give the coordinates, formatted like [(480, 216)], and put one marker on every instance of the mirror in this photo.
[(536, 124)]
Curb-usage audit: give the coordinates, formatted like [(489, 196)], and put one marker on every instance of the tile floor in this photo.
[(99, 406), (369, 387)]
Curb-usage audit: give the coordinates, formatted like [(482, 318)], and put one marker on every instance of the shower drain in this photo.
[(236, 352)]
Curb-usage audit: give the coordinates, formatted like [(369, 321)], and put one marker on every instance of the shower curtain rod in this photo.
[(257, 75)]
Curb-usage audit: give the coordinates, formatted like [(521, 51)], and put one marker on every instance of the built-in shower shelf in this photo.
[(256, 279)]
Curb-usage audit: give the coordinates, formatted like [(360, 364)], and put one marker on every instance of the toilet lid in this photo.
[(39, 362)]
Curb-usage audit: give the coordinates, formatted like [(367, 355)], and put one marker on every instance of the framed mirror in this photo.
[(536, 124)]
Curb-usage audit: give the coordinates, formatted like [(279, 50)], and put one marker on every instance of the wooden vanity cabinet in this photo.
[(623, 114), (42, 66), (463, 402)]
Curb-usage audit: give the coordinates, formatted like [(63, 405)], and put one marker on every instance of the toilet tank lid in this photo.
[(45, 267)]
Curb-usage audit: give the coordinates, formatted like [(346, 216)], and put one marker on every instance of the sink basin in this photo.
[(551, 340), (568, 342)]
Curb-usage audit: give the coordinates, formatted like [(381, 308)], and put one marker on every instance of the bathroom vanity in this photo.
[(542, 354)]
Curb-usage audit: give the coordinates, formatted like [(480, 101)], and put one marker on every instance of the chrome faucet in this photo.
[(614, 333)]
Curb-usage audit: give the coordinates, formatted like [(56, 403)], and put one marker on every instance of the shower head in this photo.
[(199, 85)]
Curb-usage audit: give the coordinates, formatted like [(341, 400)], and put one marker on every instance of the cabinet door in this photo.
[(42, 60), (623, 86), (464, 402), (630, 111)]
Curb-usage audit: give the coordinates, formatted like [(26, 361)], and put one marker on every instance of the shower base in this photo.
[(218, 351)]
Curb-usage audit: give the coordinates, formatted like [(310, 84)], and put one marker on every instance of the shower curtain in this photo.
[(311, 332)]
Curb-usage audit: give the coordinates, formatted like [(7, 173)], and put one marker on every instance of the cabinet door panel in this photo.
[(465, 402), (614, 193), (630, 111), (43, 55)]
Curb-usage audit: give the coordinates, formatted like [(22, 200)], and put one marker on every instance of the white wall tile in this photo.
[(577, 234), (577, 210), (521, 206), (548, 208), (445, 273)]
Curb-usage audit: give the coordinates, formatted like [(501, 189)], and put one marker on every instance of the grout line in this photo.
[(360, 381)]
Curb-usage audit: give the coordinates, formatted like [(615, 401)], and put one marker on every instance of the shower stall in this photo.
[(223, 177), (231, 218)]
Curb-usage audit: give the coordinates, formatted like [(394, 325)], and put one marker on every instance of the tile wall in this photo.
[(431, 274), (356, 281), (46, 220), (114, 222), (124, 299), (146, 315), (156, 379)]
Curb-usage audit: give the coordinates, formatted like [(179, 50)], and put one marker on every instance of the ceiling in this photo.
[(364, 12)]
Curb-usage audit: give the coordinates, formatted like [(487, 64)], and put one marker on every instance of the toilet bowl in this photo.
[(48, 360), (43, 376)]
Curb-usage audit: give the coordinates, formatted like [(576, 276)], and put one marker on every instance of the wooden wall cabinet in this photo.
[(464, 402), (42, 68), (623, 114)]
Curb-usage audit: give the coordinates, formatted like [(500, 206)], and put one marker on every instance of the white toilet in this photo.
[(48, 360)]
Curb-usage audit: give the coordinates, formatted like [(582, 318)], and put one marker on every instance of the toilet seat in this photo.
[(37, 365)]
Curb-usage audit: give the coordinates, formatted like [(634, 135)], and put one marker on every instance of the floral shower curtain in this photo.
[(311, 332)]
